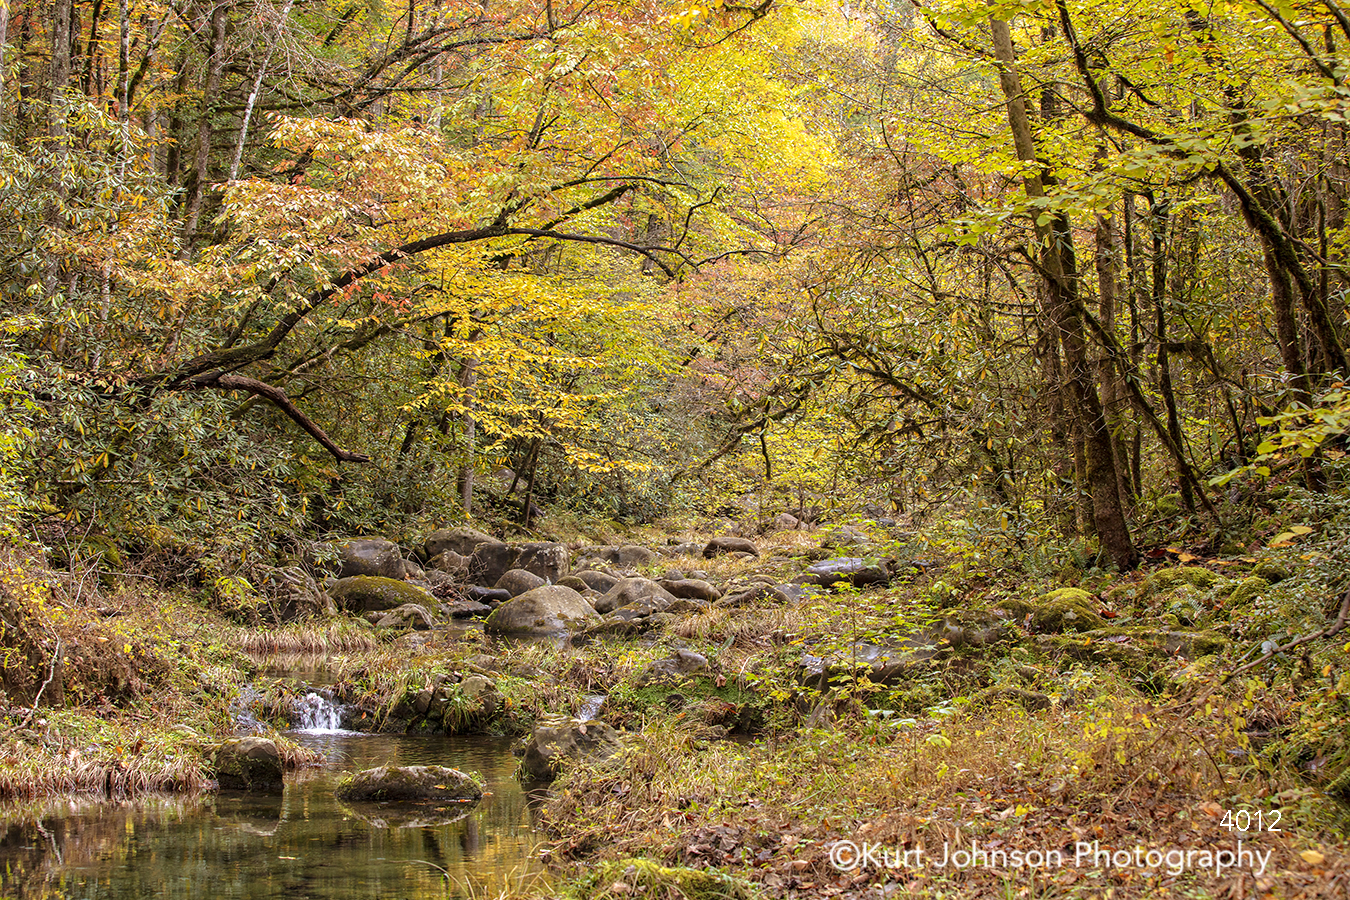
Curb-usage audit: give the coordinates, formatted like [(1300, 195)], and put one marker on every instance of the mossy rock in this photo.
[(1016, 608), (1193, 576), (389, 783), (1245, 592), (1168, 505), (1066, 609), (371, 593), (1135, 648), (1184, 603), (1271, 571), (642, 878)]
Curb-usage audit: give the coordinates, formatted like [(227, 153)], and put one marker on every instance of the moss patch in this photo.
[(1168, 579), (628, 878), (1066, 609)]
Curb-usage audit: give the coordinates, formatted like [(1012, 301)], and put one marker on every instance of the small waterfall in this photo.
[(591, 708), (317, 713)]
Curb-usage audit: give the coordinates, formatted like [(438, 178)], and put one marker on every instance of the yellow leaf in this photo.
[(1312, 856)]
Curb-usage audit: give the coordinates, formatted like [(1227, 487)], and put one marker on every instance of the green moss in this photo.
[(1271, 571), (1245, 592), (629, 878), (371, 592), (1194, 576), (1066, 609), (1168, 505)]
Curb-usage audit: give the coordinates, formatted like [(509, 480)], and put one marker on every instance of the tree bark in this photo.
[(1058, 268), (196, 186)]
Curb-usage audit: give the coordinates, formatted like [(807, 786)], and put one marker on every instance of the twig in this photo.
[(51, 674), (1330, 631)]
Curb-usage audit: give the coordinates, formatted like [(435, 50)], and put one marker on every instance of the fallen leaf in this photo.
[(1312, 856)]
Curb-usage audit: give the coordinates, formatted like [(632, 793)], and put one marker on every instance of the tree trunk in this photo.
[(1163, 360), (1059, 272), (257, 88), (196, 186)]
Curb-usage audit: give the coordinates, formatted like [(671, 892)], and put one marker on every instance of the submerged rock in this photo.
[(249, 764), (545, 610), (411, 783), (564, 743)]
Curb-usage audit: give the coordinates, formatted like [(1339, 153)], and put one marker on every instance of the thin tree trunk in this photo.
[(196, 187), (1060, 274), (1159, 220), (257, 88)]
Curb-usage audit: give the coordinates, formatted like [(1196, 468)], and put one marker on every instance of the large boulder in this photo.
[(249, 764), (1066, 609), (490, 561), (550, 561), (632, 590), (368, 593), (517, 581), (451, 563), (728, 544), (551, 609), (459, 540), (371, 556), (561, 744), (411, 783)]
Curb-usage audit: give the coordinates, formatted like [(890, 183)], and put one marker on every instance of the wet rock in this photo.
[(517, 581), (597, 581), (849, 570), (461, 541), (371, 556), (249, 764), (549, 561), (369, 593), (633, 590), (564, 743), (490, 561), (493, 597), (728, 544), (411, 783), (691, 588), (1066, 609), (411, 616), (551, 609), (465, 609)]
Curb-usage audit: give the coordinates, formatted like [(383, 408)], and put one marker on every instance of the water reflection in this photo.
[(300, 844)]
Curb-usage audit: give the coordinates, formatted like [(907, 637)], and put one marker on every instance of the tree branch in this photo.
[(277, 397)]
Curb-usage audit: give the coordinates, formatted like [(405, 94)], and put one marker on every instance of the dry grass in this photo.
[(339, 636)]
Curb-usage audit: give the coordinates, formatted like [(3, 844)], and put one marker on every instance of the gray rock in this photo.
[(756, 593), (493, 597), (368, 593), (728, 544), (687, 548), (459, 540), (562, 744), (412, 571), (574, 583), (465, 609), (371, 556), (692, 589), (679, 664), (546, 610), (411, 783), (845, 536), (409, 615), (632, 590), (785, 522), (249, 764), (628, 556), (517, 581), (597, 581), (490, 561), (852, 570), (550, 561)]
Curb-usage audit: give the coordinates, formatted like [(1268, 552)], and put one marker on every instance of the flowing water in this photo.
[(303, 843)]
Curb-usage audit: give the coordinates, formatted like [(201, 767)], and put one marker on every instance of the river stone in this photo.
[(411, 783), (483, 691), (490, 562), (628, 556), (371, 556), (368, 593), (728, 544), (548, 560), (691, 589), (785, 522), (249, 764), (561, 744), (845, 536), (458, 540), (597, 581), (493, 597), (678, 665), (517, 581), (409, 615), (632, 590), (574, 583), (755, 593), (545, 610), (465, 609), (687, 548)]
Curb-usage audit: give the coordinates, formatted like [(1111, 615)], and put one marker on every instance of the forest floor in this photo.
[(1115, 762)]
